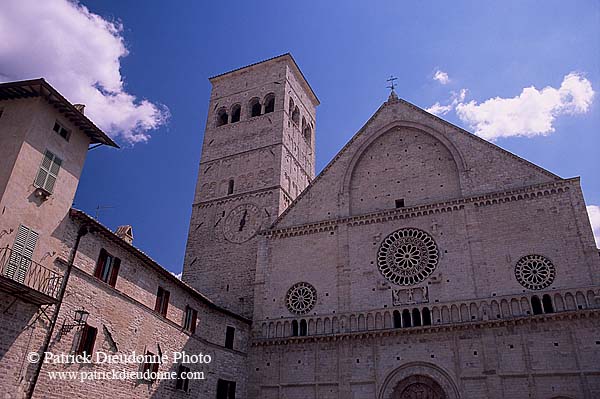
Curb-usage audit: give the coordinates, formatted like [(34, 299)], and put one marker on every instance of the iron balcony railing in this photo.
[(25, 271)]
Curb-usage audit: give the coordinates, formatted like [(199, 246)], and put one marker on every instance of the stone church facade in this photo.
[(422, 263)]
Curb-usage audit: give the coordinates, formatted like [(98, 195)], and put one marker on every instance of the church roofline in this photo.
[(41, 88), (282, 56), (84, 218), (394, 100)]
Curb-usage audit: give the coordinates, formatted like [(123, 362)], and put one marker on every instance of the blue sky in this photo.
[(346, 50)]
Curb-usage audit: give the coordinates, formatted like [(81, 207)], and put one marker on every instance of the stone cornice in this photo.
[(439, 328), (480, 200)]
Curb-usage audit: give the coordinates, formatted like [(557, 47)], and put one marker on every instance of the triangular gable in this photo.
[(481, 167)]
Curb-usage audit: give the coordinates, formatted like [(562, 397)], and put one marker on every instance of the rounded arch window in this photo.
[(535, 272), (407, 256), (222, 117), (236, 112), (301, 298), (296, 115), (269, 103), (255, 107)]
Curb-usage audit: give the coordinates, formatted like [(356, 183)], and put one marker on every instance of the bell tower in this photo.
[(258, 154)]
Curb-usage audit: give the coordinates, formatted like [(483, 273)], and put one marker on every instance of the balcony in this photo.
[(28, 280)]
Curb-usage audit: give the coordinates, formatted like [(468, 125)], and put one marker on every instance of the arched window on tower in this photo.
[(291, 107), (397, 319), (222, 117), (536, 305), (296, 115), (255, 107), (236, 112), (269, 103), (307, 132), (547, 304)]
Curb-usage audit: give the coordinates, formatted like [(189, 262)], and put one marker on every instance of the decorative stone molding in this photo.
[(438, 376), (539, 190)]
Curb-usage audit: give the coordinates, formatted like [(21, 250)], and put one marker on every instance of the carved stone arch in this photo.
[(426, 375), (440, 138)]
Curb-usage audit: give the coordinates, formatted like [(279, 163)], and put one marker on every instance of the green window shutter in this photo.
[(48, 173), (22, 252)]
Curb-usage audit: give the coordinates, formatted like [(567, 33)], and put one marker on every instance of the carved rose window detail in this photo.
[(535, 272), (407, 256), (301, 298)]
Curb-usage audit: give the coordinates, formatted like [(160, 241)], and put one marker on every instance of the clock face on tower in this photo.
[(242, 223)]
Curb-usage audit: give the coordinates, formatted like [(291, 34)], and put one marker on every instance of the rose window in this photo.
[(407, 256), (301, 298), (535, 272)]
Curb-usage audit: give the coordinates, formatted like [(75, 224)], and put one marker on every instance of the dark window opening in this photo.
[(426, 317), (400, 203), (269, 104), (61, 131), (294, 328), (229, 336), (162, 301), (189, 321), (416, 317), (107, 268), (87, 339), (222, 117), (236, 113), (406, 318), (397, 319), (182, 378), (536, 305), (303, 328), (151, 363), (255, 107), (547, 304), (296, 115), (291, 107), (230, 187), (225, 389)]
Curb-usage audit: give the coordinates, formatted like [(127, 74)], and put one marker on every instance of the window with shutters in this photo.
[(182, 378), (61, 131), (150, 366), (162, 301), (107, 268), (189, 320), (21, 254), (225, 389), (48, 172), (87, 339)]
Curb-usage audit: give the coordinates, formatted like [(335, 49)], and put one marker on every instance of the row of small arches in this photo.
[(256, 107), (433, 315), (305, 127)]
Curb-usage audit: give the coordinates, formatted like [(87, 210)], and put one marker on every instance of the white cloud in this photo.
[(79, 53), (529, 114), (441, 77), (455, 98), (439, 109), (594, 214)]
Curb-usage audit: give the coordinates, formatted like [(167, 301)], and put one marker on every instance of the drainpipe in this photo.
[(63, 287)]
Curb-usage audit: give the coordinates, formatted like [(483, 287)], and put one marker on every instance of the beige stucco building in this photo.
[(422, 262)]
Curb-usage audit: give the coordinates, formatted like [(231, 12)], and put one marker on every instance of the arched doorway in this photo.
[(418, 387), (418, 380)]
